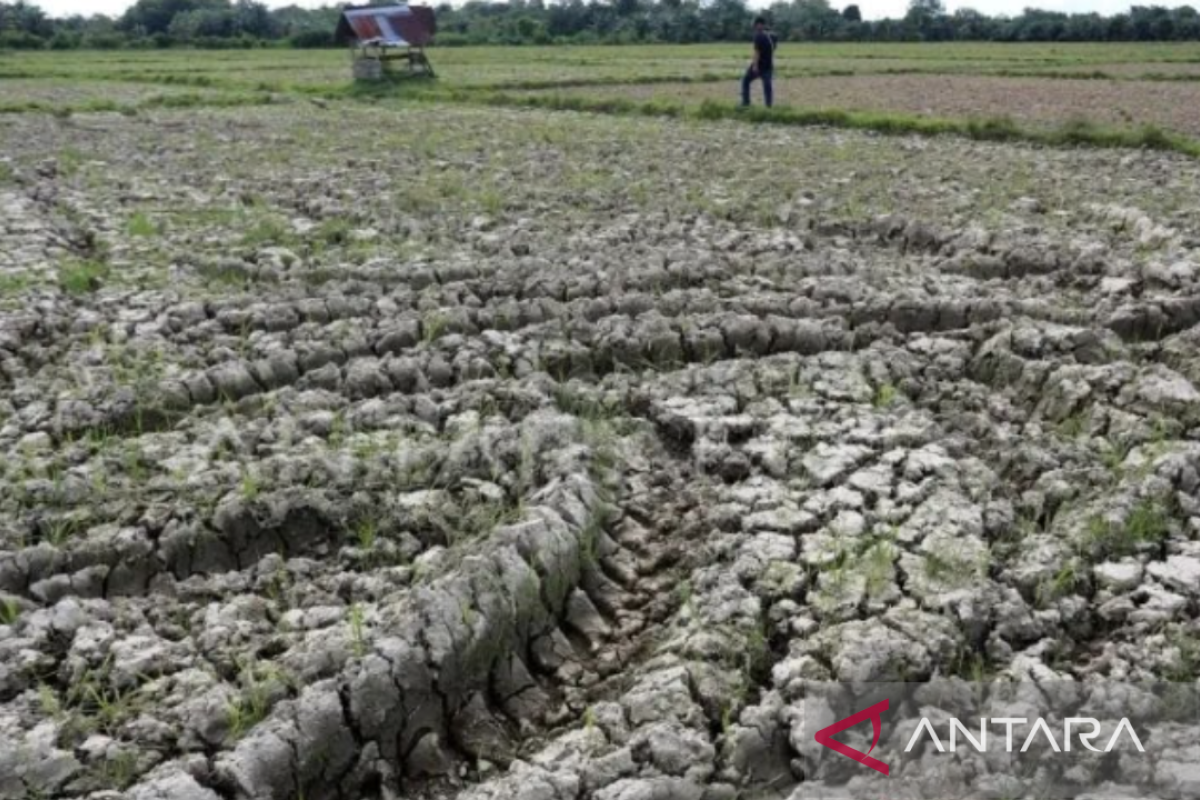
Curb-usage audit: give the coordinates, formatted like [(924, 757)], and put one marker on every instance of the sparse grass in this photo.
[(570, 399), (885, 395), (481, 519), (1157, 445), (138, 367), (433, 325), (468, 613), (133, 463), (10, 611), (1072, 426), (59, 531), (141, 225), (80, 277), (1149, 521), (877, 565), (358, 640), (527, 468), (492, 201), (1114, 455), (259, 682), (250, 486), (365, 534), (244, 713), (93, 704), (1160, 431), (48, 701), (16, 283), (225, 276), (973, 666), (727, 718), (1063, 583), (938, 567), (954, 570), (1147, 524), (337, 430), (756, 658), (590, 536), (276, 589), (1186, 667), (796, 386), (683, 591), (268, 231), (333, 232), (117, 771), (70, 160)]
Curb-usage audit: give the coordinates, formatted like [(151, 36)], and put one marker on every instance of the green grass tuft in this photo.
[(1147, 524), (885, 395), (334, 232), (141, 225), (82, 277), (268, 231), (10, 611)]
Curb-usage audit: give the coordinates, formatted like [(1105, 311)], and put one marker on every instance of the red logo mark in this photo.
[(825, 736)]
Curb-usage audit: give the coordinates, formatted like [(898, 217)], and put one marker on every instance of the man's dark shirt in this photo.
[(766, 51)]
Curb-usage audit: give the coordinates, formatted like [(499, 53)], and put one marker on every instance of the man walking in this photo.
[(763, 65)]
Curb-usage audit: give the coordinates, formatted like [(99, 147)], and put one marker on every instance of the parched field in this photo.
[(408, 443)]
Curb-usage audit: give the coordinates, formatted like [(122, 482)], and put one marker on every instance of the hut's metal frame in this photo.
[(387, 39), (412, 58)]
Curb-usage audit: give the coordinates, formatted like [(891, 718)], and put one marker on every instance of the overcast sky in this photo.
[(872, 9)]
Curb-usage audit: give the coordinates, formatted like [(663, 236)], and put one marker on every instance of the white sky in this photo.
[(872, 9)]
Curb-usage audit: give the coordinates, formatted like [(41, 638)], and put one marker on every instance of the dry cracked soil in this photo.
[(509, 455)]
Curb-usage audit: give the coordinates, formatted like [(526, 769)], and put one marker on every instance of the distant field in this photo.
[(1120, 87), (503, 66), (1033, 101)]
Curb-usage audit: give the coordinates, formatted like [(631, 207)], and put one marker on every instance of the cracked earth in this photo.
[(551, 457)]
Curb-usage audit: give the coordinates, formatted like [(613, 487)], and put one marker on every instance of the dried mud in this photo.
[(492, 454)]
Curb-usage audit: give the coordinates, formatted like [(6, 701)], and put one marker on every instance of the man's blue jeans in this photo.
[(768, 93)]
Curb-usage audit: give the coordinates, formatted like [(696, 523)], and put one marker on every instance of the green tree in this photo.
[(26, 18), (725, 20), (970, 25), (156, 16), (928, 19), (254, 19)]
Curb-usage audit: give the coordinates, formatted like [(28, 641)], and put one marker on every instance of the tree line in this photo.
[(247, 23)]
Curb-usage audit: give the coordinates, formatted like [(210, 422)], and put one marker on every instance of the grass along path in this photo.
[(1076, 133)]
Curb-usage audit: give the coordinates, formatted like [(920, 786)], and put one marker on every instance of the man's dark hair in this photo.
[(759, 21)]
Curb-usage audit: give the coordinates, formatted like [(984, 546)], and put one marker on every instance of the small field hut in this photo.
[(386, 38)]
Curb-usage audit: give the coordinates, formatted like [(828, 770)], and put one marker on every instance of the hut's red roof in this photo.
[(393, 26)]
